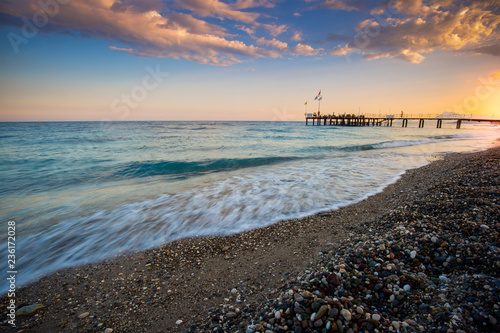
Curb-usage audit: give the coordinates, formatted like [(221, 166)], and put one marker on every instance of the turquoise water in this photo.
[(83, 191)]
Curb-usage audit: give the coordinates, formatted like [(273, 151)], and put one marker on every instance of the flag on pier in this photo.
[(318, 96)]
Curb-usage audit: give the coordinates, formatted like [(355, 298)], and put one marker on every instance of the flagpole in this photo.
[(318, 97)]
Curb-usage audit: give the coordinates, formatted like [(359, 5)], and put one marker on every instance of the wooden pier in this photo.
[(352, 120)]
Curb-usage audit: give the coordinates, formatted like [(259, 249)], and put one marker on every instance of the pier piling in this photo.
[(351, 120)]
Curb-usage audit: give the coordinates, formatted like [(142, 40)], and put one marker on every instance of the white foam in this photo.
[(248, 199)]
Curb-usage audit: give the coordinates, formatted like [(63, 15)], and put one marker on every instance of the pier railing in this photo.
[(387, 120)]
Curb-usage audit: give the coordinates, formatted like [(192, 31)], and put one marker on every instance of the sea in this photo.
[(80, 192)]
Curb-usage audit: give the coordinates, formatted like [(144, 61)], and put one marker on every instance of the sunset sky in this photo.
[(246, 59)]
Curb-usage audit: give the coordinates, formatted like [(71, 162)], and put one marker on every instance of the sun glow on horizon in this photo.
[(492, 105), (487, 95)]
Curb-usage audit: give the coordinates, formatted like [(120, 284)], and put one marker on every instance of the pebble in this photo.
[(346, 314), (444, 279), (29, 309), (322, 310), (83, 315), (333, 279), (318, 323)]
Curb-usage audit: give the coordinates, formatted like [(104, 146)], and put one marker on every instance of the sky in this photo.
[(126, 60)]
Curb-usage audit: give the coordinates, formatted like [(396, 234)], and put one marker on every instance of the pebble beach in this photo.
[(421, 256)]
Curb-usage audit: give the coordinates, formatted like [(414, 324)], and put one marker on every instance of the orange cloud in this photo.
[(244, 4), (272, 43), (339, 50), (407, 29), (493, 80), (216, 8), (179, 21), (188, 29), (347, 5), (146, 32), (273, 29), (297, 36), (304, 49)]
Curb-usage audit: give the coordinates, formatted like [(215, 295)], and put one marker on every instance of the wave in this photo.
[(358, 147), (401, 143), (373, 146), (166, 168), (443, 137), (101, 173)]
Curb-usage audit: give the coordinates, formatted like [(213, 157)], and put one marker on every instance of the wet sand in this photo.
[(235, 283)]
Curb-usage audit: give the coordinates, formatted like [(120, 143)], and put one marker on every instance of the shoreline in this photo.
[(202, 281)]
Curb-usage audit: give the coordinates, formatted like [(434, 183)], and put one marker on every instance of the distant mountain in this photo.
[(462, 115), (448, 114)]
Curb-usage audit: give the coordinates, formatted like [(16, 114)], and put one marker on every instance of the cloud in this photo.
[(248, 30), (244, 4), (222, 32), (346, 5), (493, 80), (297, 36), (409, 29), (273, 29), (493, 49), (180, 21), (339, 50), (139, 28), (137, 6), (272, 43), (410, 56), (216, 8), (306, 50)]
